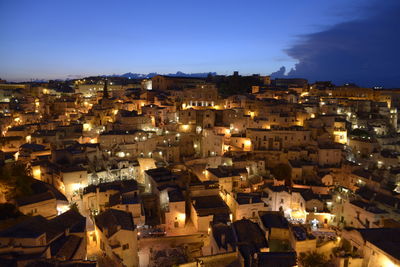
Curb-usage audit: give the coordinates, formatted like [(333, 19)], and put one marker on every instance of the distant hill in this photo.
[(128, 75), (152, 74)]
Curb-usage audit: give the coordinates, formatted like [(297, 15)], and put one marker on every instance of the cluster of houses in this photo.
[(267, 177)]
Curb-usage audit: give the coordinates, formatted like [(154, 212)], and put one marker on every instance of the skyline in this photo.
[(45, 40)]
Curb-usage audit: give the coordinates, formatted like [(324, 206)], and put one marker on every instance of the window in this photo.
[(282, 200), (125, 247)]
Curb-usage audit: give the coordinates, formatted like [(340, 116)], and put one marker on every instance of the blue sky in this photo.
[(63, 38)]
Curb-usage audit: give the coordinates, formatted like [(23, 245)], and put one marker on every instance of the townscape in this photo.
[(214, 170)]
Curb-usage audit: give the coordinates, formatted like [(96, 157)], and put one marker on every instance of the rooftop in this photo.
[(226, 171), (367, 206), (114, 220), (273, 219), (160, 175), (210, 205), (248, 198), (387, 239), (121, 186)]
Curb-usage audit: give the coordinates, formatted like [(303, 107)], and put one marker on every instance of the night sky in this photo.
[(344, 41)]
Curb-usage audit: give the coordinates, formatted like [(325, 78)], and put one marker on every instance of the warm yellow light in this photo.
[(226, 148), (121, 154), (87, 126), (62, 208), (76, 186), (182, 216), (185, 127), (37, 174), (217, 107), (387, 262), (340, 136)]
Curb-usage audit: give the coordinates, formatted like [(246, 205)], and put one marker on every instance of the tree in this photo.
[(282, 172), (15, 181), (313, 259)]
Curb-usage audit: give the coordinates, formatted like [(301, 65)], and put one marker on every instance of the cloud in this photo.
[(279, 73), (365, 51)]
